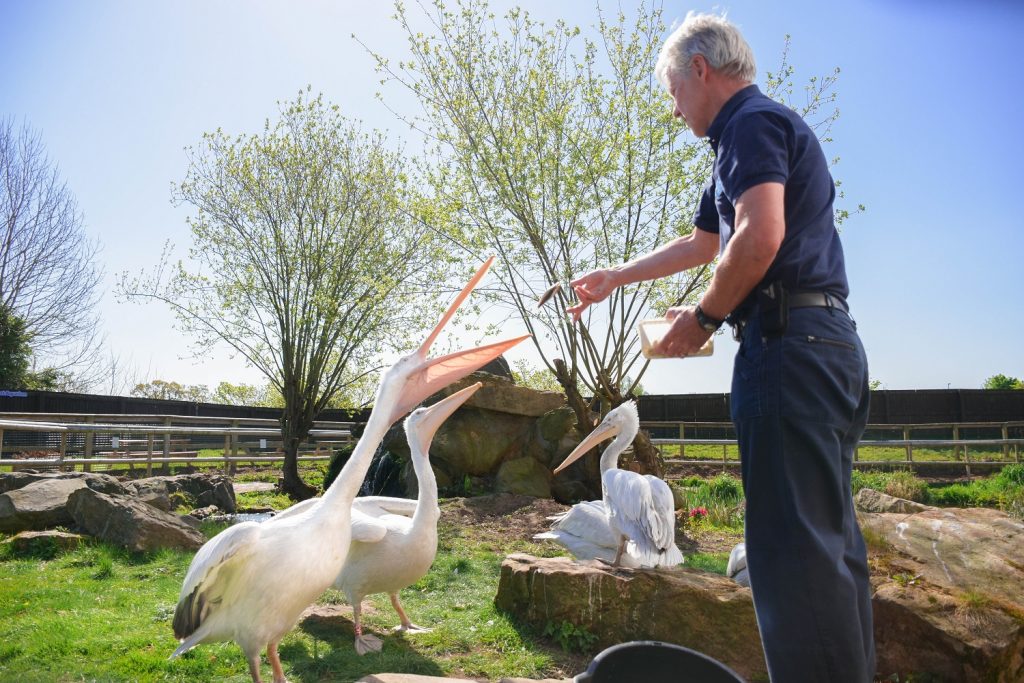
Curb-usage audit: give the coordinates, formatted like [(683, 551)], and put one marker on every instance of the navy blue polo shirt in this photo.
[(758, 140)]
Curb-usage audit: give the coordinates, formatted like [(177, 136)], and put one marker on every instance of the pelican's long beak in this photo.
[(605, 430), (435, 374), (432, 417)]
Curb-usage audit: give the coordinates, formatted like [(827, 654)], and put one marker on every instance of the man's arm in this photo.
[(760, 227), (682, 253)]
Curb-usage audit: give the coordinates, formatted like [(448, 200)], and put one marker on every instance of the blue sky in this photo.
[(929, 139)]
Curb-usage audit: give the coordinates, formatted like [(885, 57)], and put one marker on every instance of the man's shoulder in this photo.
[(761, 114)]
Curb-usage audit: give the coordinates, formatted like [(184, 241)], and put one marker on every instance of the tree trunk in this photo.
[(645, 458), (294, 431)]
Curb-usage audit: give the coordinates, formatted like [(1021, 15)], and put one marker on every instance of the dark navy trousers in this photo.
[(800, 404)]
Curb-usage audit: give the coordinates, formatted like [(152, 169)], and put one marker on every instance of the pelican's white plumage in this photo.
[(404, 552), (252, 581), (634, 522)]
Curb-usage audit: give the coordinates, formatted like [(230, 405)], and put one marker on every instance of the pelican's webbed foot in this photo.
[(368, 643)]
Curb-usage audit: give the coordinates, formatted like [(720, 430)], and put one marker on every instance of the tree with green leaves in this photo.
[(15, 351), (1002, 381), (307, 258), (557, 151), (172, 391), (228, 393)]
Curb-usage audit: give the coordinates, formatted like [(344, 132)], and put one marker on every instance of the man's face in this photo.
[(687, 91)]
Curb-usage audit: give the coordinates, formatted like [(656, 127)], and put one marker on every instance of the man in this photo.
[(800, 383)]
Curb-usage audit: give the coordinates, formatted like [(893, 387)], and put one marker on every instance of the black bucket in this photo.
[(651, 661)]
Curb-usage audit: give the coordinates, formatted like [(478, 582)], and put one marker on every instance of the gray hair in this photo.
[(710, 35)]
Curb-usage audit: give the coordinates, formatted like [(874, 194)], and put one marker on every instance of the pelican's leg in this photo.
[(275, 663), (619, 550), (367, 643), (406, 624), (254, 667)]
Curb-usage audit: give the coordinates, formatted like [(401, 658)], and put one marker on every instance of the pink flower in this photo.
[(699, 512)]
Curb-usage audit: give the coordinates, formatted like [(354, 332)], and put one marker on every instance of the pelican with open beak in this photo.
[(251, 582)]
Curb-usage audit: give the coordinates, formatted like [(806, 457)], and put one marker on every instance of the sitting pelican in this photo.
[(251, 582), (406, 542), (634, 522)]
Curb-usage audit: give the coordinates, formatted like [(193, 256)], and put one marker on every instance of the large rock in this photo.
[(524, 476), (501, 396), (49, 541), (869, 500), (200, 489), (104, 483), (130, 523), (500, 424), (949, 597), (39, 505), (948, 601), (151, 491), (696, 609)]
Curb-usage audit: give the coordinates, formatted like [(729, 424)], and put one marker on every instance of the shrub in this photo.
[(338, 461), (901, 484), (1012, 476)]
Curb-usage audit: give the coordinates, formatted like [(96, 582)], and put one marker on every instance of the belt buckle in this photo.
[(737, 330)]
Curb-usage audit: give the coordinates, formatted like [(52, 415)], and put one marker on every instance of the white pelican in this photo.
[(634, 523), (406, 542), (737, 567), (251, 582)]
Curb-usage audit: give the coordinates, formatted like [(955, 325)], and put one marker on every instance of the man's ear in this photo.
[(700, 66)]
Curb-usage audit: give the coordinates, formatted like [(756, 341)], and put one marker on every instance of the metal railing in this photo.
[(1008, 444), (90, 440)]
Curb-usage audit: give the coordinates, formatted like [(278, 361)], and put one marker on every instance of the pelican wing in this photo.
[(366, 528), (665, 509), (588, 521), (209, 575), (296, 509), (638, 512), (378, 506)]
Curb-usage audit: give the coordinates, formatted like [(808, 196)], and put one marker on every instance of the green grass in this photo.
[(709, 562), (713, 453), (1003, 491), (101, 614)]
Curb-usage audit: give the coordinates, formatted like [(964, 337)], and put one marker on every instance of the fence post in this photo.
[(63, 450), (2, 445), (906, 438), (956, 437), (682, 441), (149, 454), (167, 444), (86, 467), (1006, 446)]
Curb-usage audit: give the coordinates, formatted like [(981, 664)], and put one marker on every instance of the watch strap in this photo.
[(706, 321)]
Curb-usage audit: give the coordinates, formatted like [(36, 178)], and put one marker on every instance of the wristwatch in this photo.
[(706, 321)]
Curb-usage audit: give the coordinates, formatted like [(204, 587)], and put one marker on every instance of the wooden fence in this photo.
[(69, 440), (967, 438)]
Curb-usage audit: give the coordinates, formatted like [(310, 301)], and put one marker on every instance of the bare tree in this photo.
[(48, 272)]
